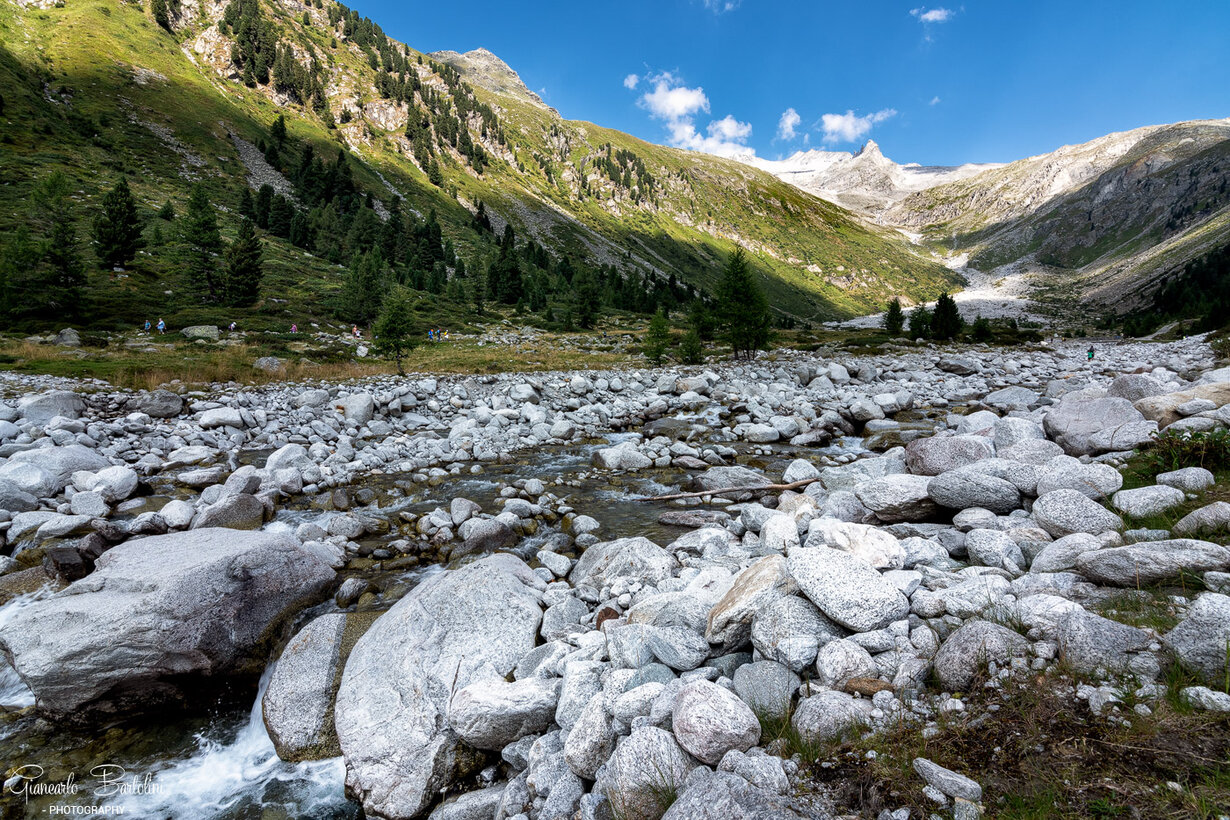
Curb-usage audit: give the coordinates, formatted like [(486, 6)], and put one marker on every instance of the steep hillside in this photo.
[(99, 89)]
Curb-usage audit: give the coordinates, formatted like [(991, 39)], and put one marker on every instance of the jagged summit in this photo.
[(485, 69), (867, 181), (870, 149)]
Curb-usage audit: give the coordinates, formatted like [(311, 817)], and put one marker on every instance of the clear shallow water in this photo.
[(235, 773), (220, 763)]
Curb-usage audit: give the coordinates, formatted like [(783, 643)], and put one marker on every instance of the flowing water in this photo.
[(220, 762)]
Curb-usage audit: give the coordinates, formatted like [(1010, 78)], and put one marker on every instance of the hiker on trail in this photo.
[(147, 325), (1090, 352), (294, 328), (162, 326), (354, 329), (232, 327)]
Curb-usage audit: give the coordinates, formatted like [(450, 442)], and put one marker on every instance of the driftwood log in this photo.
[(776, 488)]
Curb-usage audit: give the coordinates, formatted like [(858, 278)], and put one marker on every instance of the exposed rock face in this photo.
[(176, 609), (454, 629)]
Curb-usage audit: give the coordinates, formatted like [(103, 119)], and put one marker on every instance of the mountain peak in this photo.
[(485, 69), (870, 150)]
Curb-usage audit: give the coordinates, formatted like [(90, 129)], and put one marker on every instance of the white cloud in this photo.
[(630, 82), (926, 15), (934, 101), (728, 128), (671, 101), (678, 105), (722, 6), (789, 121), (849, 127)]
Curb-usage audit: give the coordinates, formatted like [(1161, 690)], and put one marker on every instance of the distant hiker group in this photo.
[(437, 335)]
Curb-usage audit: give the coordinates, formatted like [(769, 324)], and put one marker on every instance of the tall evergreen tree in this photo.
[(60, 277), (395, 331), (946, 322), (920, 323), (363, 289), (894, 319), (504, 278), (742, 308), (244, 266), (281, 212), (701, 320), (478, 287), (19, 255), (586, 298), (117, 228), (278, 130), (264, 202), (247, 208), (203, 242)]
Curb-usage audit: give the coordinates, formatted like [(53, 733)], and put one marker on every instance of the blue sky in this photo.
[(935, 84)]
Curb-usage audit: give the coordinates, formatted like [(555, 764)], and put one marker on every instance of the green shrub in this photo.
[(1173, 450)]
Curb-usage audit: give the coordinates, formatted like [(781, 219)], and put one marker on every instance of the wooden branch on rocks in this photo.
[(776, 488)]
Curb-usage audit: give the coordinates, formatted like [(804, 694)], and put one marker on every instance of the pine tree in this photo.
[(504, 278), (58, 281), (657, 338), (203, 241), (167, 211), (19, 255), (742, 308), (701, 319), (946, 322), (363, 289), (244, 269), (691, 349), (478, 286), (395, 332), (117, 228), (981, 331), (920, 323), (281, 212), (264, 201), (894, 319), (159, 8), (586, 298), (277, 131), (247, 208)]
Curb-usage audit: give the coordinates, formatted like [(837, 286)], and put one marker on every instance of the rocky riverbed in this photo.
[(448, 602)]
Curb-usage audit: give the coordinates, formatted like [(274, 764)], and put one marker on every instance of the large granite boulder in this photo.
[(1085, 426), (1201, 639), (454, 629), (1152, 562), (42, 408), (158, 617), (939, 454), (637, 557), (59, 463), (846, 589), (298, 703)]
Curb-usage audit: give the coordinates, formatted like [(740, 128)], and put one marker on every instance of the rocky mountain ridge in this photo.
[(1103, 220)]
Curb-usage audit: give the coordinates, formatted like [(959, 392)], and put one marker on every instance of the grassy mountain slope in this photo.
[(97, 89)]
